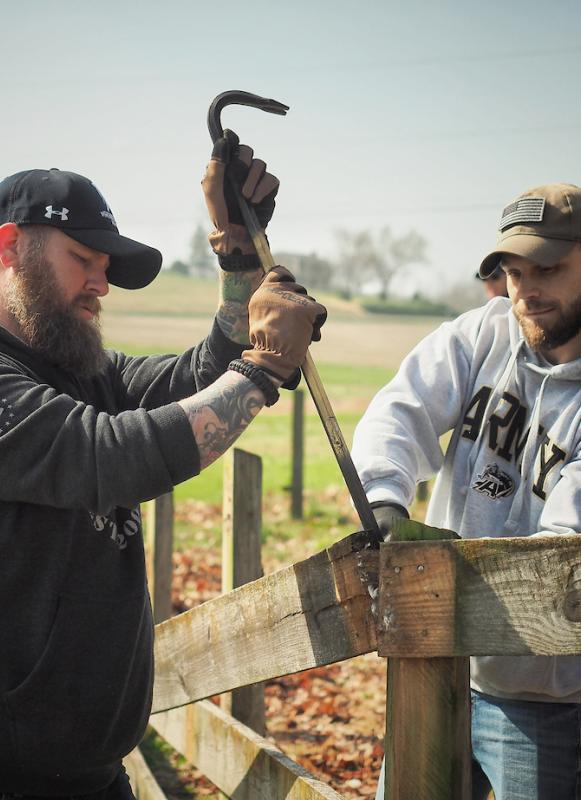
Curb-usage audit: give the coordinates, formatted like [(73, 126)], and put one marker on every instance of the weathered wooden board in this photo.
[(319, 611), (513, 596), (427, 754), (427, 736), (143, 783), (238, 761)]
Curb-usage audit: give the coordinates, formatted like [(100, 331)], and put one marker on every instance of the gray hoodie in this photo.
[(512, 466)]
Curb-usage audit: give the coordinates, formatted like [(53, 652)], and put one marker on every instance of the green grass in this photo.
[(270, 438)]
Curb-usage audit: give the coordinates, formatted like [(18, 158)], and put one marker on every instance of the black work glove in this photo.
[(385, 514), (230, 240)]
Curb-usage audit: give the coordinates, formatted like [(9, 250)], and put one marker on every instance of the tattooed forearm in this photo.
[(220, 413), (236, 289), (233, 321)]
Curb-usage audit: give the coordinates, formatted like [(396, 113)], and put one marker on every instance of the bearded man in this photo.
[(506, 380), (86, 435)]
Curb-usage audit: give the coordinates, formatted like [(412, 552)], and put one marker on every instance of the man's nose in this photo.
[(528, 287), (97, 282)]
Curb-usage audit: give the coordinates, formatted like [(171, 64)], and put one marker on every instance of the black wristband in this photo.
[(258, 377), (237, 262)]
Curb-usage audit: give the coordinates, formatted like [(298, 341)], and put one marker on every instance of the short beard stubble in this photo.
[(47, 323), (565, 329)]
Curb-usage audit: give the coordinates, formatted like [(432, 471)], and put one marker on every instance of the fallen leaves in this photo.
[(331, 721)]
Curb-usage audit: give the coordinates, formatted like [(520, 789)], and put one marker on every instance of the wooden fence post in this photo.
[(241, 561), (160, 547), (427, 733), (298, 454)]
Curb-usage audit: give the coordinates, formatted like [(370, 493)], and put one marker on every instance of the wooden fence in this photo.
[(425, 602)]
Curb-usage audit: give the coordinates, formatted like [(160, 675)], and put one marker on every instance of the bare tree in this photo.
[(355, 264), (364, 257), (393, 253)]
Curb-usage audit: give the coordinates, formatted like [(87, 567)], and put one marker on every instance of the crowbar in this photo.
[(267, 262)]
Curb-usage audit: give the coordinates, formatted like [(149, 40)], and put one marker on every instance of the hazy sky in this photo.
[(415, 114)]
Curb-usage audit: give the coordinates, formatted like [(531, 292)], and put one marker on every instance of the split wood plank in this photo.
[(510, 596), (142, 780), (316, 612), (237, 760), (242, 562)]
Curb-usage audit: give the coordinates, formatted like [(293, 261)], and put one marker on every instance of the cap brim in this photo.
[(133, 265), (545, 252)]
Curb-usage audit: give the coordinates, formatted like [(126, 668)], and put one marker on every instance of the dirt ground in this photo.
[(367, 341)]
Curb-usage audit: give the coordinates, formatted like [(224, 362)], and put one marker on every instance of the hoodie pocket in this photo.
[(86, 702)]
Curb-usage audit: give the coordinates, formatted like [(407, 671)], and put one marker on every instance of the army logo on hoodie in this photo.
[(494, 482)]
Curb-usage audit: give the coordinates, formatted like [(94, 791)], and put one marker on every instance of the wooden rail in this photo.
[(237, 760), (316, 612), (515, 596), (143, 782)]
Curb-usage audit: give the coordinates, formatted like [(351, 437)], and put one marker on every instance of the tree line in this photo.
[(363, 257), (366, 263)]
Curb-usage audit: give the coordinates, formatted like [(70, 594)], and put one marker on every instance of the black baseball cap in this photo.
[(74, 205)]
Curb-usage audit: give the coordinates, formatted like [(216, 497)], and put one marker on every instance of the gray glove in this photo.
[(385, 514)]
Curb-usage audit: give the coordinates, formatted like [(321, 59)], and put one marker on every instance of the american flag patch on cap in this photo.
[(527, 209)]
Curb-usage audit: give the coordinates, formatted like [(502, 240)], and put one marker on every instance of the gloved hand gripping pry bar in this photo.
[(309, 370)]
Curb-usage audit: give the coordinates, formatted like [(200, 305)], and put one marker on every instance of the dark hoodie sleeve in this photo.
[(152, 381), (58, 451)]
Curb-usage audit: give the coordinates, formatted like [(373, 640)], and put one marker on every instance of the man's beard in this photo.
[(49, 324), (541, 337)]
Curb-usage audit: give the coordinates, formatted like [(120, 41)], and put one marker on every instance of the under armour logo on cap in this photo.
[(63, 214), (528, 209)]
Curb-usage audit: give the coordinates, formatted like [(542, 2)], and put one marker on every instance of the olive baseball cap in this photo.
[(74, 205), (542, 225)]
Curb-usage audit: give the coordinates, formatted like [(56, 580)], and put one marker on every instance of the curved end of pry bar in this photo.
[(236, 97)]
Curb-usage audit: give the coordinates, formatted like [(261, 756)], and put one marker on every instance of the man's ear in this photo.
[(10, 236)]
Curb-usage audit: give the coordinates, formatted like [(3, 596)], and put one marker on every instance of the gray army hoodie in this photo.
[(76, 634), (513, 465)]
